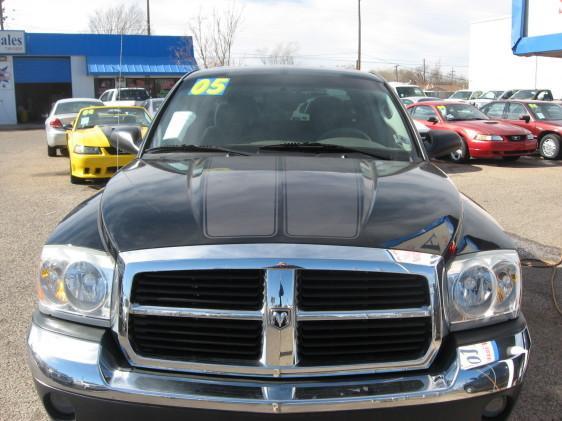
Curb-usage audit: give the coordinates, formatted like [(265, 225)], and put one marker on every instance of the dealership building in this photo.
[(520, 51), (38, 69)]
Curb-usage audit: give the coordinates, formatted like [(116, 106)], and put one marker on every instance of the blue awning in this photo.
[(139, 66)]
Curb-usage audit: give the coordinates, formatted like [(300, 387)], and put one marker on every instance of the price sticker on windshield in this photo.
[(210, 87)]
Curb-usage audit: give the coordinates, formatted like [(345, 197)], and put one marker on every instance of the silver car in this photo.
[(152, 105), (62, 114)]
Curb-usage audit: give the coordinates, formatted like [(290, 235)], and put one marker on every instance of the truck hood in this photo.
[(490, 127), (175, 201)]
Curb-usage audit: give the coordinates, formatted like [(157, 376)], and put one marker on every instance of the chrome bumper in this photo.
[(89, 369)]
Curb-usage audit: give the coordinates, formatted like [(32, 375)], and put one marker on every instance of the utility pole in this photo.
[(396, 66), (147, 16), (424, 72), (359, 35), (1, 16), (452, 75)]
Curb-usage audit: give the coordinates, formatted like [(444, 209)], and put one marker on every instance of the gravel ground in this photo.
[(35, 194)]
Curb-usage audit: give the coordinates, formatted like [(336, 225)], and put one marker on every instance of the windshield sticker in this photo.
[(442, 109), (533, 106), (541, 116), (87, 112), (84, 121), (211, 87)]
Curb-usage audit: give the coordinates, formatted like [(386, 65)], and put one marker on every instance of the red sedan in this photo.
[(482, 137), (542, 118)]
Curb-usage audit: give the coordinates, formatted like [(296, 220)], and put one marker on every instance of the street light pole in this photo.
[(147, 16), (359, 35), (1, 16)]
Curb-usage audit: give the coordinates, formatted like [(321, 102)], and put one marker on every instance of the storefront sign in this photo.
[(12, 42), (5, 73)]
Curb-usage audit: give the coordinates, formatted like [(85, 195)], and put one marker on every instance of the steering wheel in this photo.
[(345, 132)]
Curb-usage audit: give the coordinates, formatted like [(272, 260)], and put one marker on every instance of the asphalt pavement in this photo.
[(35, 193)]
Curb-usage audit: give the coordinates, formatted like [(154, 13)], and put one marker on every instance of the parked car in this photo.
[(542, 118), (414, 99), (406, 90), (465, 95), (532, 94), (152, 105), (439, 94), (125, 96), (482, 137), (63, 112), (93, 150), (490, 96), (249, 266)]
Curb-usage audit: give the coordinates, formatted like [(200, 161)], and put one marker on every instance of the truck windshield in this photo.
[(461, 95), (255, 111), (132, 95)]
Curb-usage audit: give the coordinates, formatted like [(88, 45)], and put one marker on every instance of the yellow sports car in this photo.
[(92, 156)]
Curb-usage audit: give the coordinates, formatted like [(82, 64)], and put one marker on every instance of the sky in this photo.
[(402, 32)]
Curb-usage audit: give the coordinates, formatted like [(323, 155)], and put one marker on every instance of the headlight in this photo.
[(530, 136), (483, 288), (87, 150), (488, 137), (75, 283)]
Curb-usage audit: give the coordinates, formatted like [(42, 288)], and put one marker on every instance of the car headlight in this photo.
[(87, 150), (483, 288), (488, 137), (75, 283), (530, 136)]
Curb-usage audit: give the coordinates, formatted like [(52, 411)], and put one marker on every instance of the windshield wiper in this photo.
[(318, 147), (194, 148)]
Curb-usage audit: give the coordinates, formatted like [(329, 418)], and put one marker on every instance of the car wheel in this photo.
[(461, 155), (51, 150), (510, 158), (549, 147)]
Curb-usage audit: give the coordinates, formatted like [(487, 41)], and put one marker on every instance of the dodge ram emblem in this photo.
[(279, 319)]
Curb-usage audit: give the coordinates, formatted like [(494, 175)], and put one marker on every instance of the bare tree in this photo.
[(214, 34), (281, 54), (120, 19)]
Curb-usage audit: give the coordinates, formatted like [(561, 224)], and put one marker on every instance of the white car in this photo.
[(405, 90), (125, 96), (152, 105), (490, 96), (62, 114), (465, 95)]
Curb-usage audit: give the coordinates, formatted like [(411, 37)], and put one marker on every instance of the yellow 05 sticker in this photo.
[(211, 87)]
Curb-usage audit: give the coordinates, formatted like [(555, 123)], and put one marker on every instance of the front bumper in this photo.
[(492, 149), (99, 166), (85, 366)]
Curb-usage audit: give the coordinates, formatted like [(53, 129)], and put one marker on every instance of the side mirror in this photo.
[(433, 120), (525, 117), (67, 126), (442, 142), (127, 139)]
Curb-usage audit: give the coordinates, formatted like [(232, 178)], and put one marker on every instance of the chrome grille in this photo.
[(397, 327), (214, 289), (357, 290)]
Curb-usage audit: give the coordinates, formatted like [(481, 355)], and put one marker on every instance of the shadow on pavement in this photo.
[(453, 168)]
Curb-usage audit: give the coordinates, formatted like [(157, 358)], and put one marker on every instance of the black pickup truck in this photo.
[(282, 248)]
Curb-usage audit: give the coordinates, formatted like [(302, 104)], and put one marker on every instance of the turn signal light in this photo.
[(56, 123)]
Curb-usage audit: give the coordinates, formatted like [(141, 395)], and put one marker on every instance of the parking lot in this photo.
[(35, 193)]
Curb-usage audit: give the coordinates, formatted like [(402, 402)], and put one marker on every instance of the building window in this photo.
[(103, 84)]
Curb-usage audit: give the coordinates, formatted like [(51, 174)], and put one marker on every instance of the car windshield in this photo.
[(546, 111), (460, 112), (133, 95), (112, 116), (256, 111), (525, 94), (73, 107), (461, 95), (406, 91)]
